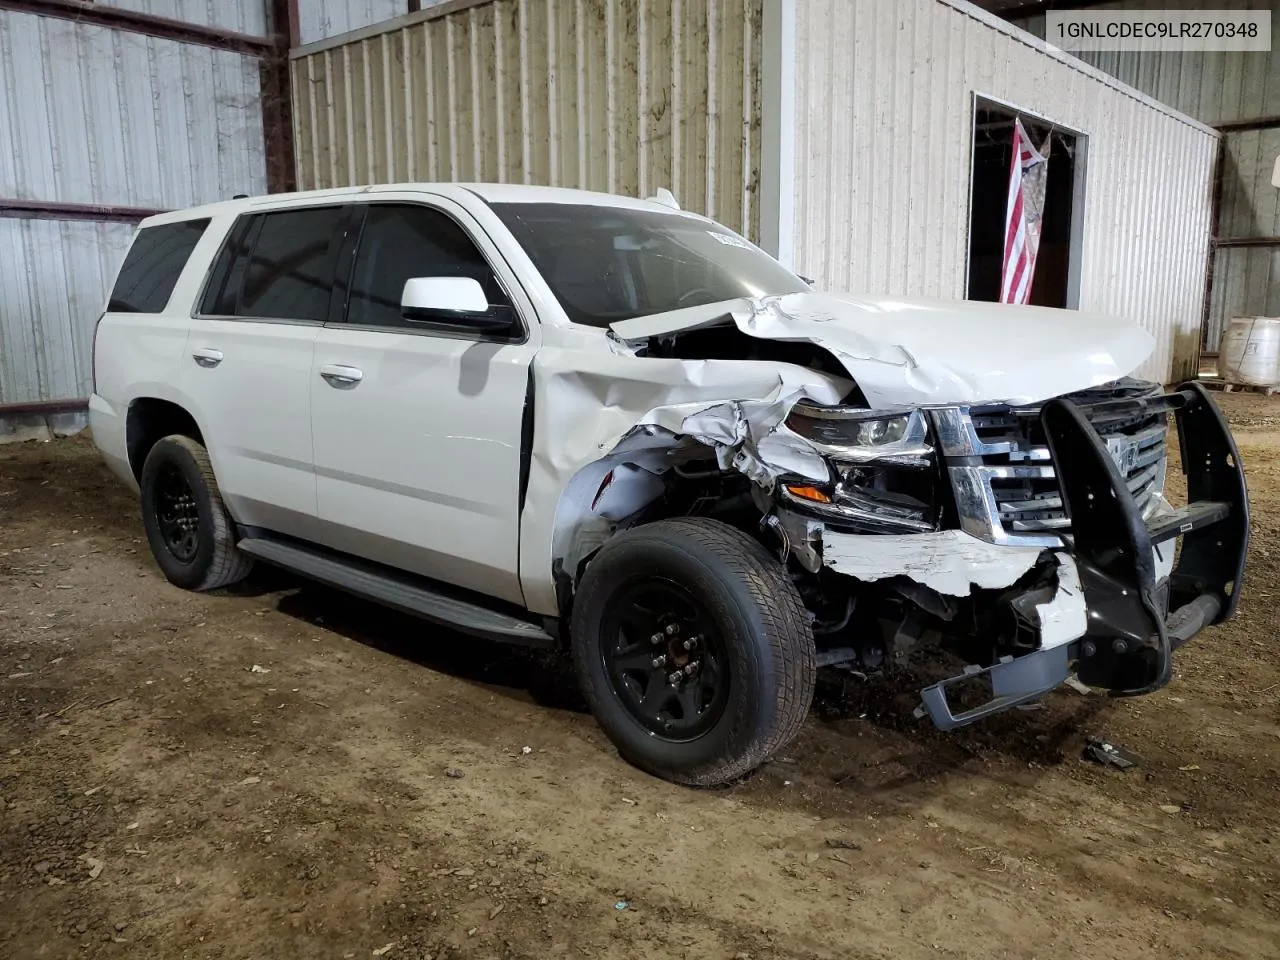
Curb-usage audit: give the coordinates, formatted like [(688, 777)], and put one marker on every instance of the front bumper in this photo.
[(1136, 618)]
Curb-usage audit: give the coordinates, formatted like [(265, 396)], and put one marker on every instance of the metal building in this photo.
[(113, 110), (1238, 94), (839, 133)]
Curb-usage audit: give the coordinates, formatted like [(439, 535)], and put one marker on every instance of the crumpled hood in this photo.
[(933, 352)]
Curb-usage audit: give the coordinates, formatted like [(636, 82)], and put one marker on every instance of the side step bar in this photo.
[(398, 590)]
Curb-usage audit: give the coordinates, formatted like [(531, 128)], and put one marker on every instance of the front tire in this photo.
[(693, 649), (190, 532)]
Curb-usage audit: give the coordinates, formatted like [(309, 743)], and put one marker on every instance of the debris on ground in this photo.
[(1108, 754), (454, 773), (250, 781), (94, 864), (526, 750), (1170, 808), (841, 843), (1079, 686), (258, 669), (379, 951), (622, 905)]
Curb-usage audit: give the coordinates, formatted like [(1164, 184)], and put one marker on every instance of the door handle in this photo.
[(207, 358), (340, 375)]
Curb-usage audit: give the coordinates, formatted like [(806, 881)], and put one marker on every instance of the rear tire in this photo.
[(743, 684), (190, 532)]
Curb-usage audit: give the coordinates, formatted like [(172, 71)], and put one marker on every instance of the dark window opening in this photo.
[(1054, 281), (277, 266), (153, 265)]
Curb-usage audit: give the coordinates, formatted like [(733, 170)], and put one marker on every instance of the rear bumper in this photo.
[(1136, 617), (109, 436)]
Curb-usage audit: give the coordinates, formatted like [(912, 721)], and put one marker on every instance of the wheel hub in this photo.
[(177, 515), (665, 659)]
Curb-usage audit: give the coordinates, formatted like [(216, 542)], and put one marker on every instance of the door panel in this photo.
[(417, 426), (254, 408), (417, 463), (250, 358)]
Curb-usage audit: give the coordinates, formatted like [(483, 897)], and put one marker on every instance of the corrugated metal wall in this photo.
[(1220, 87), (883, 163), (54, 275), (319, 19), (102, 116), (619, 95), (239, 16), (1215, 86)]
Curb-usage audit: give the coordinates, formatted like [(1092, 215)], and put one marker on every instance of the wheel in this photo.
[(693, 649), (191, 534)]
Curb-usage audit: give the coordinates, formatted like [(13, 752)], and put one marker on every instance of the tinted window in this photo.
[(606, 264), (277, 266), (153, 265), (400, 242)]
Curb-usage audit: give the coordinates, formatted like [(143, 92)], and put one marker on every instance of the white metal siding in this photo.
[(93, 115), (319, 19), (619, 95), (96, 115), (1213, 86), (54, 277), (883, 163), (238, 16)]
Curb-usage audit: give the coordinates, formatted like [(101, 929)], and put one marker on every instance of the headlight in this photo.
[(881, 461), (858, 436)]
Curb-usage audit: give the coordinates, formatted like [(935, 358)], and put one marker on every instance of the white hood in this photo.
[(933, 352)]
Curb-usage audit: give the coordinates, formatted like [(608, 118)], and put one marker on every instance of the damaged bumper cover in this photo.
[(1136, 616)]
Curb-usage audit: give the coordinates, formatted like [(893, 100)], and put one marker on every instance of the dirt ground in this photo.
[(281, 771)]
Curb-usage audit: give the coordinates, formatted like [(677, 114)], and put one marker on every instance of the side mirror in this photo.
[(451, 301)]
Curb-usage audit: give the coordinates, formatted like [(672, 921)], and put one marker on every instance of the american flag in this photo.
[(1027, 170)]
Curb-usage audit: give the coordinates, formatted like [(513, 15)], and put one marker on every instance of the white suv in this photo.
[(549, 416)]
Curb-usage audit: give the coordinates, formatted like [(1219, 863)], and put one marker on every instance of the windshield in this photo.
[(606, 264)]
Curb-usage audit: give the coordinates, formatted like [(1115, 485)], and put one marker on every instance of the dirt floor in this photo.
[(280, 771)]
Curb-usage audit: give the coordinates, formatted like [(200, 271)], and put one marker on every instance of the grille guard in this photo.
[(1132, 633)]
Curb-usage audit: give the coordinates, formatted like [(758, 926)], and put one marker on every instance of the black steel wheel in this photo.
[(178, 519), (665, 659), (190, 532), (694, 650)]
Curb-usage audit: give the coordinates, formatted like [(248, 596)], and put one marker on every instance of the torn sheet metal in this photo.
[(1066, 616), (919, 352), (595, 412), (949, 561)]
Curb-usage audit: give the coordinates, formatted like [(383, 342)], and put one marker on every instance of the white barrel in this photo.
[(1250, 352)]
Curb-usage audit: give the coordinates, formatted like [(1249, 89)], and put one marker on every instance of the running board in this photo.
[(398, 590)]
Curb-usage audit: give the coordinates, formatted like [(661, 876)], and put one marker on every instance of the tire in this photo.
[(208, 558), (751, 613)]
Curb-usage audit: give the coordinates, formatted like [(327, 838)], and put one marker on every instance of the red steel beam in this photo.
[(144, 23), (43, 407), (49, 210)]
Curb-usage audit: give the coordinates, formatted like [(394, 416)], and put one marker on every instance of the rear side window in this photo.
[(153, 265), (277, 266)]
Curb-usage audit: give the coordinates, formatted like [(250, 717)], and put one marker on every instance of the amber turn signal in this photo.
[(808, 493)]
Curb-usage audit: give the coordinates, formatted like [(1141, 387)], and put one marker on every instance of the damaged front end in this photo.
[(1029, 541)]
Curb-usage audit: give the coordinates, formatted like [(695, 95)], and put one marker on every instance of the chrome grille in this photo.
[(1005, 487)]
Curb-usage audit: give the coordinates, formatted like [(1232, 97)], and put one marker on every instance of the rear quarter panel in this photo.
[(139, 355)]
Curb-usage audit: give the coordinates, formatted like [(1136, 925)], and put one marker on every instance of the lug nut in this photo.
[(691, 643), (1088, 648), (660, 661), (1120, 645), (672, 629), (656, 638), (691, 669), (674, 678)]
